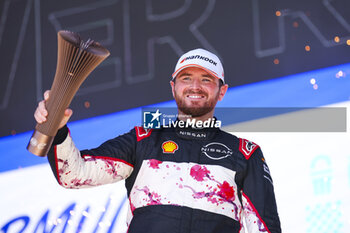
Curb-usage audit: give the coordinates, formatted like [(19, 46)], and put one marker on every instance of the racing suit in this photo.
[(178, 180)]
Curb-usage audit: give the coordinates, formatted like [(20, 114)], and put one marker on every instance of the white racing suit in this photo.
[(177, 180)]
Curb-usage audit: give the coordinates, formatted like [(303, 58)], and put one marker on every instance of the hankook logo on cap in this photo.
[(200, 57), (216, 151)]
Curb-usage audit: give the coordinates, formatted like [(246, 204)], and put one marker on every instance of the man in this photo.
[(178, 179)]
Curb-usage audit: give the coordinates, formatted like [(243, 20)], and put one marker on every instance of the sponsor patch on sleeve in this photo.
[(142, 133), (247, 147)]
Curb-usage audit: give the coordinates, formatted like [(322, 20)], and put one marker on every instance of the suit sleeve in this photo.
[(258, 198), (110, 162)]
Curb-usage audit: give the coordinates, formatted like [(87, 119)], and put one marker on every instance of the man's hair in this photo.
[(221, 83)]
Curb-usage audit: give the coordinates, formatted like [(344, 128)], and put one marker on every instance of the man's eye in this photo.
[(206, 80), (186, 78)]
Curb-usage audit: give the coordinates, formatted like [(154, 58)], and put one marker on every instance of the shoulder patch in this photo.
[(247, 147), (142, 133)]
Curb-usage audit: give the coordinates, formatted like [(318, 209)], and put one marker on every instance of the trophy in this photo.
[(76, 59)]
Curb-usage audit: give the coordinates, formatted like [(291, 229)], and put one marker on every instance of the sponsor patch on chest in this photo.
[(169, 147), (216, 150)]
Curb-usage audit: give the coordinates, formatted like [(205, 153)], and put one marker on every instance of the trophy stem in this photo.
[(40, 144)]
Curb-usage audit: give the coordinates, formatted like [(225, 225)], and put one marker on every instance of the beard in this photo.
[(195, 109)]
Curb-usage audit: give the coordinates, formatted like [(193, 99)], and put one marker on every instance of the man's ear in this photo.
[(222, 91), (172, 84)]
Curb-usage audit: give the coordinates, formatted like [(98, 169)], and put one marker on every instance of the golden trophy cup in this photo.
[(76, 59)]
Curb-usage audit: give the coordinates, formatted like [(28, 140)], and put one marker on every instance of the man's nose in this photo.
[(195, 83)]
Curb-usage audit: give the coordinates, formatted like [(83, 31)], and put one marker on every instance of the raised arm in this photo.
[(110, 162)]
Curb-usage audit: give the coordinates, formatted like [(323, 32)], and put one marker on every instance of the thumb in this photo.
[(68, 112)]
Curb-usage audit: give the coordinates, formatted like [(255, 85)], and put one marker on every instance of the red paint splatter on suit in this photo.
[(64, 167), (199, 172), (154, 198), (78, 182), (153, 163), (226, 191), (224, 194)]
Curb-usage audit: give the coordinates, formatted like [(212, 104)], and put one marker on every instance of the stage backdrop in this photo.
[(310, 168), (256, 40)]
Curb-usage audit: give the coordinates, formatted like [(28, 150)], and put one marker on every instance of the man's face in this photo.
[(196, 92)]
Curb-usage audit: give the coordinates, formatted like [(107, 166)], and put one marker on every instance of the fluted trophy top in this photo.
[(76, 59), (89, 46)]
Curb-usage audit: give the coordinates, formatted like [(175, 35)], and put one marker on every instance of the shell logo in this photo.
[(169, 147)]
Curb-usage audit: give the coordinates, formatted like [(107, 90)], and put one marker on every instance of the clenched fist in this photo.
[(41, 112)]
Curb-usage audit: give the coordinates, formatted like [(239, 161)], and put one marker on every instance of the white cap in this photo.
[(202, 59)]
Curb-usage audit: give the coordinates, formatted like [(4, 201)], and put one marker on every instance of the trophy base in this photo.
[(40, 144)]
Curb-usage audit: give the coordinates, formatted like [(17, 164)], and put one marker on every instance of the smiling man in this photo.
[(199, 84), (178, 179)]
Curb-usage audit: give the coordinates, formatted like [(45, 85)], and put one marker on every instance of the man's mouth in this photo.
[(195, 96)]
